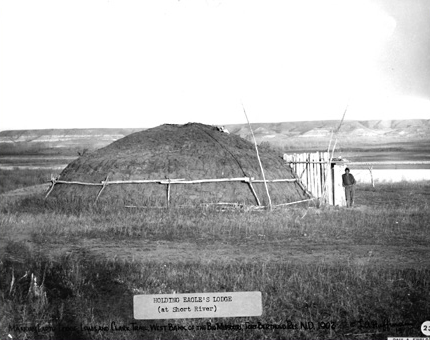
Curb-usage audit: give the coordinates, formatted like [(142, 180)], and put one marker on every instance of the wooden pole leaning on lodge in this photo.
[(53, 182), (325, 194), (253, 191), (259, 160), (105, 183)]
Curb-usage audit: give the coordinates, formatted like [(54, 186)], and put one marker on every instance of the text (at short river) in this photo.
[(198, 305)]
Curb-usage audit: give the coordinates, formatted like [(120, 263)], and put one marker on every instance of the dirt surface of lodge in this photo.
[(192, 152)]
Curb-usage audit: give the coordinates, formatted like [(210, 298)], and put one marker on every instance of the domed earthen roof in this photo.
[(192, 151)]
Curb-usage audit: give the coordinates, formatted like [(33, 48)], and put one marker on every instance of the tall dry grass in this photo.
[(59, 295), (15, 179), (78, 290)]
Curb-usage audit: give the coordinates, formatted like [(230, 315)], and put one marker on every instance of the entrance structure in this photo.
[(319, 175)]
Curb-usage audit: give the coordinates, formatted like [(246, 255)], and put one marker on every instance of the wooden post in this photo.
[(312, 174), (329, 182), (339, 190), (168, 193), (371, 175), (326, 171), (311, 177), (105, 182), (327, 189), (317, 166), (307, 169), (329, 179), (295, 164), (323, 177), (303, 170), (318, 175), (53, 182), (322, 173), (253, 191)]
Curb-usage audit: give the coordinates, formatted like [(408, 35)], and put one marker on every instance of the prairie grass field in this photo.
[(69, 268), (15, 179)]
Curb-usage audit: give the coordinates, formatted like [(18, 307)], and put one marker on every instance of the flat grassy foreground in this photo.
[(69, 270)]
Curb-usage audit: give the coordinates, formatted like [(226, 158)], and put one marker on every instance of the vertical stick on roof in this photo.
[(259, 161), (338, 128), (343, 117), (330, 158)]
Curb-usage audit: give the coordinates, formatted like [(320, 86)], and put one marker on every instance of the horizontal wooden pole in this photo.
[(389, 163), (364, 163), (216, 180), (220, 203), (353, 162), (275, 180), (228, 204), (160, 181), (179, 181), (308, 162), (285, 204), (143, 181), (149, 207), (79, 183)]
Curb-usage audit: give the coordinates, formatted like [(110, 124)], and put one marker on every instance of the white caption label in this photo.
[(199, 305)]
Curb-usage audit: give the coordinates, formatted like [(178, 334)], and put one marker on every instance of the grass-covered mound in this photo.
[(191, 152)]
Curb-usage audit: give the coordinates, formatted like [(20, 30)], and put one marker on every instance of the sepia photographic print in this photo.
[(213, 169)]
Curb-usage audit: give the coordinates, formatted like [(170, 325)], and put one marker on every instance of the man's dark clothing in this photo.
[(348, 181)]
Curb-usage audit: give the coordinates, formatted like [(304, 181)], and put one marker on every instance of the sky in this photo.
[(139, 64)]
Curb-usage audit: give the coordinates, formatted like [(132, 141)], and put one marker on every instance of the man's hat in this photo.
[(346, 169)]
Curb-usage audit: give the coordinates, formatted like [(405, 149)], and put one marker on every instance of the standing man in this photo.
[(348, 182)]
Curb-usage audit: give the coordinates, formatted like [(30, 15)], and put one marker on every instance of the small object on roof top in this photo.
[(223, 129)]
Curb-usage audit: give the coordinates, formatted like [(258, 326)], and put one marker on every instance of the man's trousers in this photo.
[(349, 195)]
